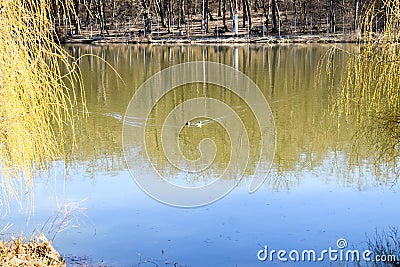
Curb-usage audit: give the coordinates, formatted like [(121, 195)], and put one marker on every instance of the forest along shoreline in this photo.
[(215, 22)]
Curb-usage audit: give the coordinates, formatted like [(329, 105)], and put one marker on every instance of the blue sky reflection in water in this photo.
[(316, 192)]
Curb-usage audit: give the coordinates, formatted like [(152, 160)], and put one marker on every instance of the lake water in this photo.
[(320, 188)]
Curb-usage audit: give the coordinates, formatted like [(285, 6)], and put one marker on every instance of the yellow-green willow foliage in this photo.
[(370, 94), (37, 100), (374, 74)]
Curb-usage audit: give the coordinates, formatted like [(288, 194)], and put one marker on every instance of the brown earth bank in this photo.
[(210, 39)]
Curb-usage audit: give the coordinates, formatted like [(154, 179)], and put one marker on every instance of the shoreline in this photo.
[(292, 39)]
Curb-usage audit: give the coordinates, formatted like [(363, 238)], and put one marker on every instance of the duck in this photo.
[(199, 124), (187, 123)]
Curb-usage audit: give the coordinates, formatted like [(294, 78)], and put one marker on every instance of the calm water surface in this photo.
[(319, 189)]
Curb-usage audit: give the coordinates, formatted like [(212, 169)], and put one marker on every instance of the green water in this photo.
[(293, 79)]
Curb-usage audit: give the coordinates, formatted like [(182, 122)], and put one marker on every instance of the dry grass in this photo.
[(37, 251), (36, 98), (386, 243)]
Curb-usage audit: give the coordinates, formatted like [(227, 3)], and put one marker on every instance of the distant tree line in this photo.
[(268, 16)]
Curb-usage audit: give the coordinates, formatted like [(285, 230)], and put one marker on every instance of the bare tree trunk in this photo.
[(181, 13), (274, 15), (331, 16), (55, 9), (295, 8), (230, 9), (267, 10), (113, 13), (248, 12), (88, 7), (278, 13), (244, 13), (146, 19), (295, 13), (160, 9), (76, 16), (170, 16), (356, 5), (207, 14), (224, 15), (100, 13)]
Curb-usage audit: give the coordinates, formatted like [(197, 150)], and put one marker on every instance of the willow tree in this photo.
[(36, 96), (370, 94)]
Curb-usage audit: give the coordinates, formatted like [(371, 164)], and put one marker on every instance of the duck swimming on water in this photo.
[(199, 124)]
